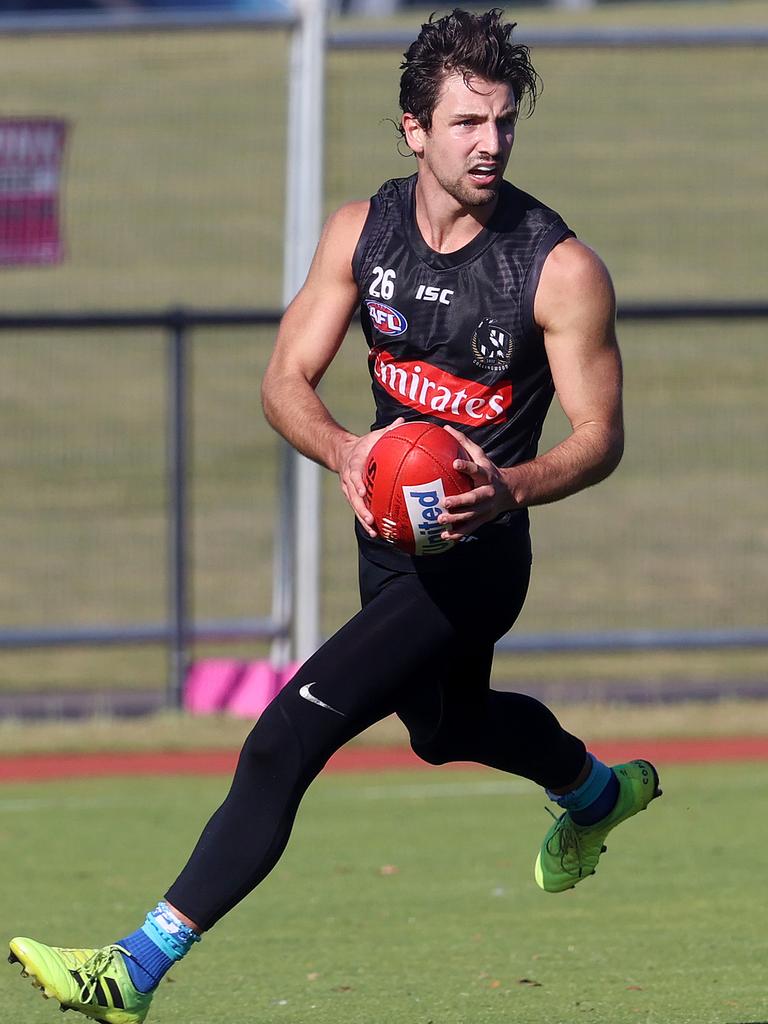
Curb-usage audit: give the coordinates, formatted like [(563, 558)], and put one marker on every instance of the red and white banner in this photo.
[(31, 155)]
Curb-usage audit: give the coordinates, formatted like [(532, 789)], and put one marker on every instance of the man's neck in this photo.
[(445, 224)]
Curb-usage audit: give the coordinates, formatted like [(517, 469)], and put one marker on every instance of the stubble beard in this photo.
[(469, 195)]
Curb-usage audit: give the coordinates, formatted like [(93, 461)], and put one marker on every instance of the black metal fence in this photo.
[(180, 629), (177, 632)]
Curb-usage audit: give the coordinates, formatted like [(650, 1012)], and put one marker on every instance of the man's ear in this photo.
[(414, 133)]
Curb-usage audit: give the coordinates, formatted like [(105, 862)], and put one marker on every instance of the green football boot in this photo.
[(94, 982), (570, 852)]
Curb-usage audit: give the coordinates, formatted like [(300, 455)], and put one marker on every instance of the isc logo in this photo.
[(429, 293), (425, 502), (385, 318)]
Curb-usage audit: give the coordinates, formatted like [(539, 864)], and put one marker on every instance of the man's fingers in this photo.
[(456, 433), (361, 510), (356, 482), (470, 469), (463, 524), (457, 532), (470, 499), (469, 446), (366, 521), (390, 426), (457, 517), (370, 530)]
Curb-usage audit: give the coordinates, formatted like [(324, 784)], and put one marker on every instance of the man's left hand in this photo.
[(489, 497)]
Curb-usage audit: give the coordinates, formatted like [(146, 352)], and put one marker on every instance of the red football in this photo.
[(408, 476)]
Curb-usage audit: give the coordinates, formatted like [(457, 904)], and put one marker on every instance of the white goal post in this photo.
[(304, 187)]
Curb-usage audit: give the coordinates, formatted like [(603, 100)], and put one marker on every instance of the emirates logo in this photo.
[(432, 391)]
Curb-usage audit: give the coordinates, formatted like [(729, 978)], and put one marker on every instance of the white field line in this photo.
[(433, 791), (12, 805), (404, 791)]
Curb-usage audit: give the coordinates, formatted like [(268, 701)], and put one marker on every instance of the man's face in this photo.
[(468, 146)]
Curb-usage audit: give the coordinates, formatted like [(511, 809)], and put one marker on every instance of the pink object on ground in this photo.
[(258, 684), (209, 684), (287, 672)]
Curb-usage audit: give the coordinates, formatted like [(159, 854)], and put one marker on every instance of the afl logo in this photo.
[(385, 318)]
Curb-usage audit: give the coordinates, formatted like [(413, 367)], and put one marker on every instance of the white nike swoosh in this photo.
[(305, 693)]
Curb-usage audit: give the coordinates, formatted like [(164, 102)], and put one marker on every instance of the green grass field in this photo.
[(174, 194), (410, 898)]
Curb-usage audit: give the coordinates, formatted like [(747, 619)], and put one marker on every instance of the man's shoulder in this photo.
[(395, 190), (345, 225), (350, 218), (515, 196), (518, 203), (573, 263), (573, 277), (349, 215)]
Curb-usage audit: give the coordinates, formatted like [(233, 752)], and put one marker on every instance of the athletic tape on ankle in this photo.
[(588, 791), (168, 932)]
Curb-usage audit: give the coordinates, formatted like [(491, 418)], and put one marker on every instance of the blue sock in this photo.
[(594, 798), (156, 946)]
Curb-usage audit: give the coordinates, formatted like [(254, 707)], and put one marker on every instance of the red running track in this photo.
[(38, 767)]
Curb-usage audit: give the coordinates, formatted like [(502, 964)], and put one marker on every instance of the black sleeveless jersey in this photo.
[(451, 336)]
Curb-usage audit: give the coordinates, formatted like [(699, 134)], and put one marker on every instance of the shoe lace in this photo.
[(94, 967), (564, 841)]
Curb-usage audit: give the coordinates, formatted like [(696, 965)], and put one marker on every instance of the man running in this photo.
[(478, 304)]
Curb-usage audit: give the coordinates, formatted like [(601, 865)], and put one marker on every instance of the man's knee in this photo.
[(438, 722), (297, 734), (439, 749), (273, 741)]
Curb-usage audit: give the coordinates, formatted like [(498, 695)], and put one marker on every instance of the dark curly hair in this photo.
[(470, 44)]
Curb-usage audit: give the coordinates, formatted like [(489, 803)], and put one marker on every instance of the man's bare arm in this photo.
[(310, 335), (575, 307)]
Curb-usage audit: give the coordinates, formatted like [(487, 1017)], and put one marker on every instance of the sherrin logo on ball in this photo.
[(408, 476)]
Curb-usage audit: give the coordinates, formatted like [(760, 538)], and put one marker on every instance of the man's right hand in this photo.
[(351, 461)]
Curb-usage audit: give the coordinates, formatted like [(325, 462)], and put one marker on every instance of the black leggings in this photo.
[(421, 647)]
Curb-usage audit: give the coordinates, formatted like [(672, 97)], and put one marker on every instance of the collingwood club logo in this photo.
[(491, 346)]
